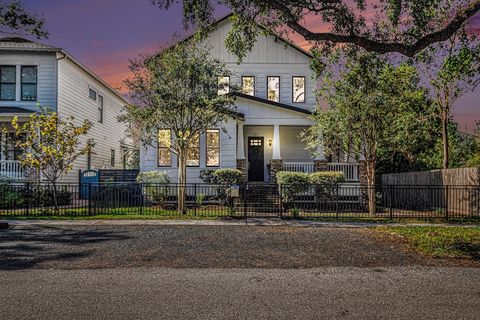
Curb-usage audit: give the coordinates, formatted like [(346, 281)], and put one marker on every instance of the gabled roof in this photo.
[(22, 44), (227, 16), (272, 103)]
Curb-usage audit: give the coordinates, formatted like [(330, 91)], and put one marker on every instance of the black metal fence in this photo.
[(245, 200)]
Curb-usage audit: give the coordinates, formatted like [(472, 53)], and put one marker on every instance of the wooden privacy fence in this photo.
[(435, 188)]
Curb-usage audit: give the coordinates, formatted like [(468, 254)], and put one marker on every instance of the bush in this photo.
[(293, 183), (154, 190), (325, 183), (223, 179)]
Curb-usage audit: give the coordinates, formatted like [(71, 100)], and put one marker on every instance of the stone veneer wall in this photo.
[(242, 166), (275, 166)]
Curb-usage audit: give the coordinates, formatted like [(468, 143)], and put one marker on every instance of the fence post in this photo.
[(89, 198), (446, 202), (195, 199), (391, 201), (245, 201), (29, 196), (280, 189), (142, 198)]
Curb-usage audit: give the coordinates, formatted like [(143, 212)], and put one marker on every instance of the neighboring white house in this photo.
[(33, 75), (278, 98)]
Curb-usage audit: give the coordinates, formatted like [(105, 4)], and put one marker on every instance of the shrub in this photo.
[(325, 183), (227, 177), (292, 183), (156, 187)]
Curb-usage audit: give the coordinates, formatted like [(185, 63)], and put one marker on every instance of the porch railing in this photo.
[(350, 170), (11, 169)]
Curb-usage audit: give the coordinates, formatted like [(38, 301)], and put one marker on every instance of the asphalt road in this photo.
[(199, 272)]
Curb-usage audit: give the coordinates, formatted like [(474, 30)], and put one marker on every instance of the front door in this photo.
[(255, 159)]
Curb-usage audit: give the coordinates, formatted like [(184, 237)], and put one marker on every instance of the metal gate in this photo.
[(260, 200)]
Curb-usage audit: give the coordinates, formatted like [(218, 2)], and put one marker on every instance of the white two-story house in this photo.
[(274, 107), (32, 75)]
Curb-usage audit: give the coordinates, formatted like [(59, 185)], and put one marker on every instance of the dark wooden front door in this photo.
[(255, 159)]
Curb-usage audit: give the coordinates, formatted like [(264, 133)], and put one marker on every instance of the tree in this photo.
[(177, 90), (51, 145), (452, 69), (373, 105), (403, 26), (15, 20)]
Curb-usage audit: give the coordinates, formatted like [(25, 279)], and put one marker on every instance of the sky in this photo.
[(105, 34)]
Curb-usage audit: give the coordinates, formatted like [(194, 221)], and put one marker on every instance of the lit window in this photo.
[(164, 152), (100, 108), (213, 148), (248, 85), (29, 83), (193, 155), (273, 89), (92, 94), (223, 85), (298, 89), (7, 82), (112, 158)]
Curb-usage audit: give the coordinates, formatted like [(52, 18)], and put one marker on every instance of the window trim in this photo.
[(219, 148), (90, 89), (279, 87), (22, 83), (218, 84), (112, 158), (199, 155), (101, 101), (14, 83), (254, 84), (304, 89), (158, 150)]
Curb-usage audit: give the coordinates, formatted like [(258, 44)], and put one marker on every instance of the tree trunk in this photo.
[(445, 139), (55, 199), (372, 203), (182, 179)]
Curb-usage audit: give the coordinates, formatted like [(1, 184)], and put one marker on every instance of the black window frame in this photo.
[(254, 84), (168, 148), (90, 90), (101, 100), (206, 148), (199, 156), (29, 83), (279, 87), (304, 89), (112, 158), (14, 83)]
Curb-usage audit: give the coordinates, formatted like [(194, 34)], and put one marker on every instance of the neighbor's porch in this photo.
[(10, 167), (263, 150)]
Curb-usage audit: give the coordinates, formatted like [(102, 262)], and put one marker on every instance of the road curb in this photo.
[(4, 225)]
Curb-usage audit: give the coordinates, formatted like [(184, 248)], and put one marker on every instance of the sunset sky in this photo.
[(105, 34)]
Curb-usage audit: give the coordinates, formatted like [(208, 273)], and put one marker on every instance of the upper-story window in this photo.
[(193, 154), (213, 147), (298, 89), (223, 85), (112, 157), (273, 93), (7, 82), (29, 83), (248, 85), (164, 144), (92, 94), (100, 108)]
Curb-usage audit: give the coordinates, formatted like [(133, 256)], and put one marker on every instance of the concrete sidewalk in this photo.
[(250, 221)]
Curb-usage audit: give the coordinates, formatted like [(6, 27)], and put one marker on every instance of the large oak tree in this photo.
[(15, 19)]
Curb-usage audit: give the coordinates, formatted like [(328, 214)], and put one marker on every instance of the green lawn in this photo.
[(440, 242)]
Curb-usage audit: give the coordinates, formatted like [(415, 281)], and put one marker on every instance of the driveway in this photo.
[(224, 272)]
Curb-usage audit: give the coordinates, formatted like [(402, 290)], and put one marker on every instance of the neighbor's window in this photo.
[(273, 89), (248, 85), (223, 85), (8, 82), (92, 94), (100, 108), (193, 155), (213, 148), (112, 157), (298, 89), (164, 143), (29, 83)]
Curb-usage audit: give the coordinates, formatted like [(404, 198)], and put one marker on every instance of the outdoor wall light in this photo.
[(270, 142)]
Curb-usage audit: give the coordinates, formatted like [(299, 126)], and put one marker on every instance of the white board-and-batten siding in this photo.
[(46, 77), (73, 99)]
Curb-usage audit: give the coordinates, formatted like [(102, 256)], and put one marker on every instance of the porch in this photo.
[(350, 170), (10, 167)]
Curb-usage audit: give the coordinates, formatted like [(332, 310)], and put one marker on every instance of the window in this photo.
[(223, 85), (193, 154), (298, 89), (112, 157), (213, 148), (8, 76), (12, 151), (248, 85), (164, 143), (273, 89), (92, 94), (100, 108), (29, 83)]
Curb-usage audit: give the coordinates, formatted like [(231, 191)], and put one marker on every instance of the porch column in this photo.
[(320, 162), (241, 161), (276, 164)]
